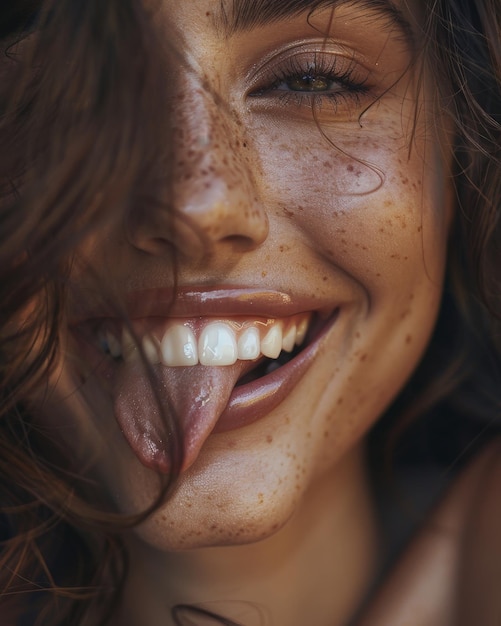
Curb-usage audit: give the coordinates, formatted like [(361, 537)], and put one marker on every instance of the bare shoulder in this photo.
[(450, 575)]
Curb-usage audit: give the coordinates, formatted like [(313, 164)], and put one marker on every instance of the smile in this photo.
[(216, 372)]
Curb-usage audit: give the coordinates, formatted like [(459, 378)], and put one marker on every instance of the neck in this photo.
[(315, 570)]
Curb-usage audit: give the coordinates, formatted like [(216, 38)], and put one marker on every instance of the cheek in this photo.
[(367, 203)]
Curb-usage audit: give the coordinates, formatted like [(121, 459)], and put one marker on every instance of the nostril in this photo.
[(240, 243)]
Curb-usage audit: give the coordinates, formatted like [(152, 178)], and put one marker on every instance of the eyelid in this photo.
[(261, 72)]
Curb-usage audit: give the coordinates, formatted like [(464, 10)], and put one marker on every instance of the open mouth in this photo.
[(263, 345), (217, 374)]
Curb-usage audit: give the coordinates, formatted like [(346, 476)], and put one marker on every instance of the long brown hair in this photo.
[(82, 86)]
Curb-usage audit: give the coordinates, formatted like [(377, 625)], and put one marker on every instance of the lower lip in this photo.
[(249, 403)]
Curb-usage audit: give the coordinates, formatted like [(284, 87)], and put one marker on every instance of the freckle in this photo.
[(308, 435), (350, 168), (340, 401), (420, 228), (408, 339), (381, 230), (378, 274), (326, 434), (287, 420), (269, 438), (363, 357)]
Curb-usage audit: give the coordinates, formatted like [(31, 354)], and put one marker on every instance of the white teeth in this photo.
[(114, 345), (151, 349), (271, 345), (220, 342), (249, 345), (179, 347), (289, 339), (302, 329), (217, 345), (129, 346)]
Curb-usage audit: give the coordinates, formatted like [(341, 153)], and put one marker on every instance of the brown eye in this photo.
[(309, 82)]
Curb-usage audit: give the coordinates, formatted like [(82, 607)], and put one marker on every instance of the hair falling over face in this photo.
[(111, 119)]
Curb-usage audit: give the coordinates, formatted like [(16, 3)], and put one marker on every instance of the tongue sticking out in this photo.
[(195, 395)]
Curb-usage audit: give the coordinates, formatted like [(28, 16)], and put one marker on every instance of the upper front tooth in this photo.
[(217, 345), (249, 345), (179, 346), (271, 345)]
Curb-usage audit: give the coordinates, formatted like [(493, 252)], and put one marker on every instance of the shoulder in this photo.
[(450, 574)]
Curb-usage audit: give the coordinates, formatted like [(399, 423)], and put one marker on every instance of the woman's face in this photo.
[(307, 202)]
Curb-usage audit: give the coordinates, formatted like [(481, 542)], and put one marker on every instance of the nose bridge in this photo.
[(212, 182)]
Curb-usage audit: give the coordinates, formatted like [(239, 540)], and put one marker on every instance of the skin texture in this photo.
[(344, 201)]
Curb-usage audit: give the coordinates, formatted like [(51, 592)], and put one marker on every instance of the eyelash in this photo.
[(340, 74)]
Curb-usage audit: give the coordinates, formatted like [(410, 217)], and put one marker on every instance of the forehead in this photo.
[(235, 15), (229, 17)]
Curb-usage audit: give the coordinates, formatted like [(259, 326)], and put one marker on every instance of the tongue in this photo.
[(192, 397)]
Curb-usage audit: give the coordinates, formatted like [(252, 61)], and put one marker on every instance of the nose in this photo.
[(210, 198)]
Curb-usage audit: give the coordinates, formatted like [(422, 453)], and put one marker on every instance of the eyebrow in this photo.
[(244, 15)]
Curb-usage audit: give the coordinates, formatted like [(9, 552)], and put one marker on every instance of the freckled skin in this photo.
[(350, 213)]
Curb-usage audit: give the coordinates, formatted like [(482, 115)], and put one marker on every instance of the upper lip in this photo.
[(185, 302)]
